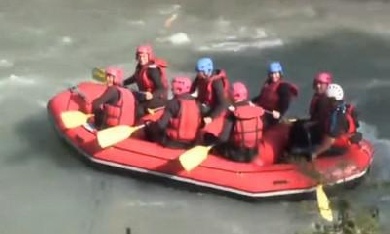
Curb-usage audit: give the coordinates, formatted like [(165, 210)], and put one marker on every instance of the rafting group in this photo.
[(211, 111)]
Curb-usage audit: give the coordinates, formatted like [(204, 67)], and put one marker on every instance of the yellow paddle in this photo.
[(99, 74), (153, 111), (73, 119), (194, 156), (114, 135), (323, 204)]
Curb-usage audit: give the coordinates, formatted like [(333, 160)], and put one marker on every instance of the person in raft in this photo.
[(212, 88), (179, 124), (150, 77), (116, 105), (317, 112), (340, 125), (276, 94), (243, 128)]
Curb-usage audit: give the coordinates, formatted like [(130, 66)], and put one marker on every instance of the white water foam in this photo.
[(175, 39), (223, 36), (380, 170), (41, 103), (17, 80), (136, 23), (377, 83), (239, 46), (66, 40), (172, 9), (6, 63)]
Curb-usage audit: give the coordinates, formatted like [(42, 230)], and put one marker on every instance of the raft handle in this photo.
[(277, 182)]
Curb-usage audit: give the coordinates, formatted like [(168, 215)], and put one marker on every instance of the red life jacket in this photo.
[(248, 126), (143, 81), (344, 139), (122, 112), (269, 98), (186, 125), (315, 113), (205, 90)]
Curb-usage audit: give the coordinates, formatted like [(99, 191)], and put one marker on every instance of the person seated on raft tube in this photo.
[(116, 105), (179, 124), (212, 86), (150, 77), (243, 128), (339, 126), (317, 112), (276, 94)]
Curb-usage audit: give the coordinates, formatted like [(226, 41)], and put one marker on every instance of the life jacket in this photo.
[(315, 113), (122, 112), (344, 139), (205, 89), (184, 127), (143, 81), (248, 126), (269, 98)]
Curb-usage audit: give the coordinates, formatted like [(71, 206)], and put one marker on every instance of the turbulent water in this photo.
[(46, 46)]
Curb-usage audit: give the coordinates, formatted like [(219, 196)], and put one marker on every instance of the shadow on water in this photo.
[(42, 143)]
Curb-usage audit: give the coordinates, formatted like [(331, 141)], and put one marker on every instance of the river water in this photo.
[(46, 46)]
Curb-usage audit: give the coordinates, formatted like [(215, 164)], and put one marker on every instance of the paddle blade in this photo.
[(73, 119), (194, 157), (153, 111), (99, 74), (114, 135), (323, 204)]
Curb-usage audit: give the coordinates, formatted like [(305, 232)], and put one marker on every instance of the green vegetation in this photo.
[(349, 217), (350, 220)]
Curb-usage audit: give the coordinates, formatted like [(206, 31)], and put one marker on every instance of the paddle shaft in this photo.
[(75, 90)]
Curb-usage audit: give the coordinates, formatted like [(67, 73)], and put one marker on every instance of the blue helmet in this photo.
[(205, 65), (275, 67)]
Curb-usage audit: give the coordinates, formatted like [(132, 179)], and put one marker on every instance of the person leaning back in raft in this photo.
[(212, 86), (318, 110), (339, 127), (276, 94), (150, 77)]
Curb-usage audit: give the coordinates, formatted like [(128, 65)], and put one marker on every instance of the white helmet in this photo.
[(335, 91)]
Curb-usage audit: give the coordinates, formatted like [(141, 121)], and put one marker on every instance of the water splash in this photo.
[(176, 39), (17, 80), (380, 171), (6, 63)]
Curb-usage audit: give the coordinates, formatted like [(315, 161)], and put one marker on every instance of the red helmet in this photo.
[(323, 78), (181, 84), (145, 49), (117, 73), (239, 92)]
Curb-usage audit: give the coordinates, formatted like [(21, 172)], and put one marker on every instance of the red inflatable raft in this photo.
[(261, 178)]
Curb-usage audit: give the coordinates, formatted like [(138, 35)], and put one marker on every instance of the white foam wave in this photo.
[(66, 40), (175, 39), (136, 22), (376, 83), (235, 46), (146, 204), (380, 169), (17, 80), (6, 63), (169, 10), (41, 103), (34, 31)]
